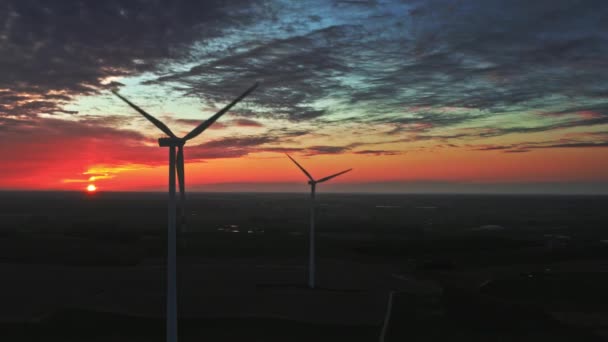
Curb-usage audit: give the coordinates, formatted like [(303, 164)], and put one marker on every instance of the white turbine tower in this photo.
[(173, 142), (311, 232)]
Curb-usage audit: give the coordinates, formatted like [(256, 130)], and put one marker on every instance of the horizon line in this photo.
[(489, 193)]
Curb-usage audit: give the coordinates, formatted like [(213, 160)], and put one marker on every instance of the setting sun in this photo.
[(91, 188)]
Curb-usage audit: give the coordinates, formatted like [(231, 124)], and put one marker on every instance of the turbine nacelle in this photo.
[(171, 141)]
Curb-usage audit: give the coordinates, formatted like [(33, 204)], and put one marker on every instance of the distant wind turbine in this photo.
[(172, 141), (311, 232)]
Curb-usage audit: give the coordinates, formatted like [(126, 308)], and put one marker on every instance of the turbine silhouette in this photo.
[(311, 232), (177, 162)]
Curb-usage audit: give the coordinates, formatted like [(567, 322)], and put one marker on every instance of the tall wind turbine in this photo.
[(311, 232), (177, 162)]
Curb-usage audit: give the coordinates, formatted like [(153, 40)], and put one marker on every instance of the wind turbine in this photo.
[(173, 142), (311, 232)]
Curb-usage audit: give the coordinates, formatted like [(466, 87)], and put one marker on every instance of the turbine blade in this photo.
[(332, 176), (182, 185), (203, 126), (301, 168), (150, 118)]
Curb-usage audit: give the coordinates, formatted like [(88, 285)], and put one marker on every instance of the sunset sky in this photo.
[(415, 96)]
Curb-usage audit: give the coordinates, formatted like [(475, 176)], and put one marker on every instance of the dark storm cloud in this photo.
[(197, 154), (602, 120), (494, 147), (239, 142), (422, 122), (294, 73), (217, 125), (276, 149), (527, 50), (578, 144), (247, 123), (37, 130), (230, 147), (493, 56), (517, 151), (314, 150), (378, 152), (599, 140), (308, 151), (70, 46), (580, 116), (336, 149), (242, 146), (288, 133), (600, 109)]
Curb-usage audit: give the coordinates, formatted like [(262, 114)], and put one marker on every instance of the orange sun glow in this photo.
[(91, 188)]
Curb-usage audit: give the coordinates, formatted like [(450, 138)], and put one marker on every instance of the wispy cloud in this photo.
[(577, 140), (379, 152)]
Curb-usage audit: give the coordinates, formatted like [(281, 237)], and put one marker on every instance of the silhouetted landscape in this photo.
[(91, 267)]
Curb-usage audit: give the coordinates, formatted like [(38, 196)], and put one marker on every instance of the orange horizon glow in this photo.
[(450, 165)]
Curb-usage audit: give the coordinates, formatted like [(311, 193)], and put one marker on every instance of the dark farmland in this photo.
[(91, 267)]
